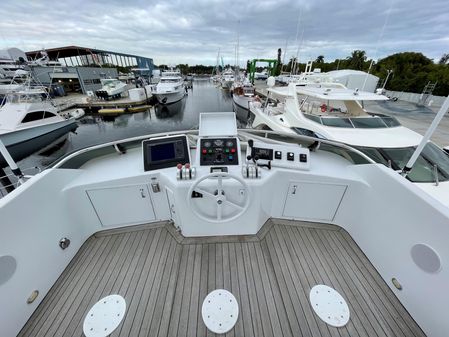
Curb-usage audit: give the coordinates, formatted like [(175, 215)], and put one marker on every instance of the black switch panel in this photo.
[(290, 156), (303, 158), (218, 151), (278, 154)]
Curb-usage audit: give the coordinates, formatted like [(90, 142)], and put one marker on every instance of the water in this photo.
[(183, 115)]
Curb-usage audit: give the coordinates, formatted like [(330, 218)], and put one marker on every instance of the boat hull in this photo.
[(226, 84), (170, 97), (22, 143), (241, 107)]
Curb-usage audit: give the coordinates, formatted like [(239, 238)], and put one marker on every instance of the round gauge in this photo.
[(207, 144), (229, 143), (218, 142)]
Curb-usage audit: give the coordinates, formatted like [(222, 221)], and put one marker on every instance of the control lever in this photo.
[(263, 162), (259, 162)]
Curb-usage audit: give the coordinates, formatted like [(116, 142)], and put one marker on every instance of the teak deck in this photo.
[(165, 277)]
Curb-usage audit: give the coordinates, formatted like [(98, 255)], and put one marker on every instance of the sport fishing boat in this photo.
[(331, 111), (170, 88), (29, 122), (111, 88), (180, 233)]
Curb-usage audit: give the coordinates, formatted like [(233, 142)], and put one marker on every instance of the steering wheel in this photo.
[(219, 197)]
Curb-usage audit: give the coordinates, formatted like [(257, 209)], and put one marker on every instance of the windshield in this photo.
[(423, 170), (372, 122)]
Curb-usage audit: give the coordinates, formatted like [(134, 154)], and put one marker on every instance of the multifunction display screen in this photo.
[(162, 152), (159, 153)]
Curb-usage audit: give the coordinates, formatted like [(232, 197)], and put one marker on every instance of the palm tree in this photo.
[(444, 59), (357, 59), (319, 59)]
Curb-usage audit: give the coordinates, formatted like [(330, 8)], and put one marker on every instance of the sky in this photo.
[(193, 32)]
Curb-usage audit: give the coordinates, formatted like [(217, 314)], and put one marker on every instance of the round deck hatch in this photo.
[(220, 311), (329, 305), (105, 316)]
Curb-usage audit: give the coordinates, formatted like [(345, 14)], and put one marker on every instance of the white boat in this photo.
[(243, 92), (310, 236), (11, 68), (111, 88), (331, 111), (29, 122), (170, 88), (227, 78), (263, 75)]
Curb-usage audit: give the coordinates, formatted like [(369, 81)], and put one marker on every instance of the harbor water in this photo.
[(182, 115)]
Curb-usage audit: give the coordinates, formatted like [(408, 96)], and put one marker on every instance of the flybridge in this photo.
[(340, 94)]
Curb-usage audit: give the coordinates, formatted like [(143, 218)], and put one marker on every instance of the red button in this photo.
[(179, 166), (204, 151), (232, 150), (187, 165)]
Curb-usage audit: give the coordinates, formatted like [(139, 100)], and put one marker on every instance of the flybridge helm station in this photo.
[(219, 147)]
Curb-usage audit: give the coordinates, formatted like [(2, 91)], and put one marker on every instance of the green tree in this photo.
[(357, 60), (444, 59), (319, 59)]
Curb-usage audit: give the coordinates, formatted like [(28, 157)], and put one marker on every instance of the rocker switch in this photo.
[(290, 156), (278, 155)]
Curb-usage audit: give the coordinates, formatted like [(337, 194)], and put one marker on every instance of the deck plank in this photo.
[(165, 280)]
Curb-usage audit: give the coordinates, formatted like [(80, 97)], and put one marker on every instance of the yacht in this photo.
[(170, 88), (227, 78), (30, 122), (11, 68), (180, 233), (111, 88), (331, 111)]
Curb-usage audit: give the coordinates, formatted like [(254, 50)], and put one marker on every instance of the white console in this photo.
[(273, 155)]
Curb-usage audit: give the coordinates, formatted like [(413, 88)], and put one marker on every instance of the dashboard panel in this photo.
[(218, 151)]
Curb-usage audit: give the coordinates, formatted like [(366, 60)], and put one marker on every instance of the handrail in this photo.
[(265, 133)]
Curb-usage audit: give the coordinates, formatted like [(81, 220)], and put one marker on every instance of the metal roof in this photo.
[(72, 51)]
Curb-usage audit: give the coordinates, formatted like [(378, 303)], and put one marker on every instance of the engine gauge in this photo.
[(207, 144), (218, 142), (229, 143)]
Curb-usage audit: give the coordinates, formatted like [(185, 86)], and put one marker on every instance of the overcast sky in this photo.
[(188, 31)]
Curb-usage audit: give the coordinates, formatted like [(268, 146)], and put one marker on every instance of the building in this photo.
[(81, 68)]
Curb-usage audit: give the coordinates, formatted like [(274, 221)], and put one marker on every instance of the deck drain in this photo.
[(105, 316), (329, 305), (220, 311)]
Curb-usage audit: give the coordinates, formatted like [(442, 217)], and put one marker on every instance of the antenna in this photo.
[(378, 42), (238, 46)]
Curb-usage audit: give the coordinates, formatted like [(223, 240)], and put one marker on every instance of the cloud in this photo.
[(176, 31)]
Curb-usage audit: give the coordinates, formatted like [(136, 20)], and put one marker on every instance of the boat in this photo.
[(243, 92), (332, 111), (263, 75), (227, 78), (29, 122), (12, 69), (157, 229), (76, 113), (170, 88), (111, 88)]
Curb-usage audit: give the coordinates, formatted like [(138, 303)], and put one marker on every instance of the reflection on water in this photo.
[(175, 110), (182, 115)]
